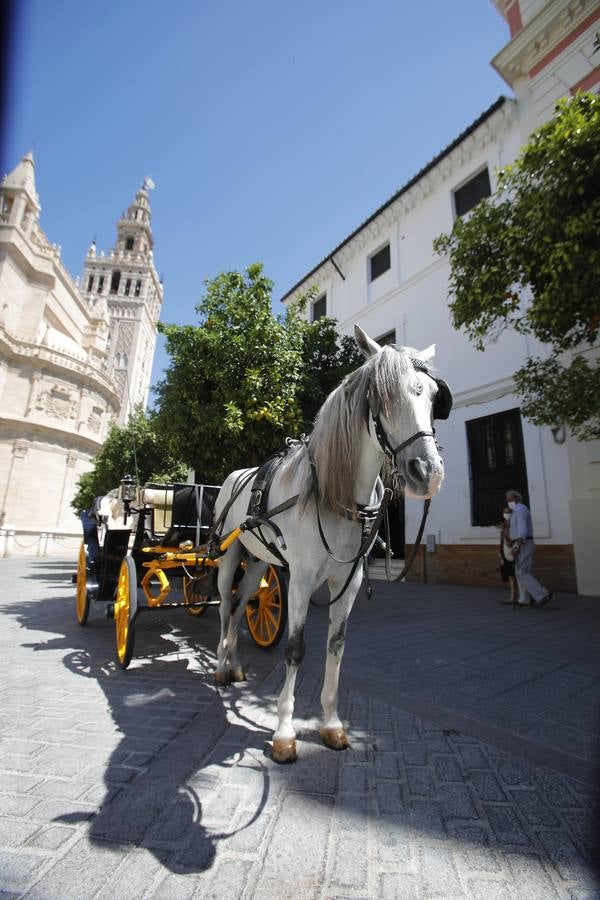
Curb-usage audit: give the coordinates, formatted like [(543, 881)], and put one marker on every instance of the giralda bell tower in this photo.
[(127, 282)]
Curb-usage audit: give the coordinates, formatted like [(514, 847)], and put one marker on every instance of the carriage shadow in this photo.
[(177, 734)]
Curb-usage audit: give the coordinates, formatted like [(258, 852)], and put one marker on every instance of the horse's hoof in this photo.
[(284, 750), (222, 678), (335, 738), (237, 674)]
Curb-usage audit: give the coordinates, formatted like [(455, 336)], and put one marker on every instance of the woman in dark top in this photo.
[(507, 566)]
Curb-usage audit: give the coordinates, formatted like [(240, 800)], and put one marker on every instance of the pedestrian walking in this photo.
[(522, 546)]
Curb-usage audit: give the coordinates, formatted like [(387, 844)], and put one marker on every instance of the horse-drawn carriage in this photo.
[(315, 507), (133, 538)]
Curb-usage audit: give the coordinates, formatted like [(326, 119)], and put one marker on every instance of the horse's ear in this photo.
[(427, 355), (365, 344)]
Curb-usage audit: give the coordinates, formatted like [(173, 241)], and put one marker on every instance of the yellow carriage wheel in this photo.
[(126, 609), (266, 612), (82, 597), (196, 611)]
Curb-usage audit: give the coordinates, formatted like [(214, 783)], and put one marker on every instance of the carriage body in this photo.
[(155, 539)]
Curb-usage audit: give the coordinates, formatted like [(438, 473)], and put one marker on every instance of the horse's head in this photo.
[(404, 398)]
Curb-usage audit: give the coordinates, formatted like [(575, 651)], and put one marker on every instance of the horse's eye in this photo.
[(417, 387)]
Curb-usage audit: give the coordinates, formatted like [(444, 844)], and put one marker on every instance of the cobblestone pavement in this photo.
[(151, 783)]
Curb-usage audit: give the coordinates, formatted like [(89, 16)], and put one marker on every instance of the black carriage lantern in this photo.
[(127, 488)]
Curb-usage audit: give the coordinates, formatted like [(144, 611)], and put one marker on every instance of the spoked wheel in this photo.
[(196, 611), (266, 612), (82, 597), (126, 610)]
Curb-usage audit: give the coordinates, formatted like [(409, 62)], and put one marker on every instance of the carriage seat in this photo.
[(160, 498), (181, 512)]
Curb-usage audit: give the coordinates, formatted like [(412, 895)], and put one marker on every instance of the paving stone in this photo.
[(350, 863), (230, 879), (50, 837), (353, 779), (490, 889), (474, 846), (438, 872), (556, 790), (473, 757), (18, 869), (414, 754), (14, 832), (13, 783), (59, 788), (531, 877), (426, 819), (420, 782), (487, 786), (17, 804), (533, 808), (387, 765), (563, 853), (457, 802), (393, 886), (392, 841), (389, 797), (506, 825), (296, 858), (351, 812), (447, 769), (175, 886)]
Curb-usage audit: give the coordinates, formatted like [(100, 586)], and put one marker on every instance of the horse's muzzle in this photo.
[(422, 476)]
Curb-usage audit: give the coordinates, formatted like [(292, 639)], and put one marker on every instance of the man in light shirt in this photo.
[(521, 535)]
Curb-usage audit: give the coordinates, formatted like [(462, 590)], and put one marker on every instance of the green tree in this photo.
[(529, 258), (118, 458), (244, 379), (228, 398), (327, 357)]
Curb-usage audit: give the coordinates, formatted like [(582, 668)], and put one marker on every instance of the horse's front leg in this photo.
[(284, 739), (248, 586), (333, 732), (227, 568)]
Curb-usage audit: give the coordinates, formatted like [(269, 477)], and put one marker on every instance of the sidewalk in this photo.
[(472, 773)]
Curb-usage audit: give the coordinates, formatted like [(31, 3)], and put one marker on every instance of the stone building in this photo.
[(386, 277), (73, 359)]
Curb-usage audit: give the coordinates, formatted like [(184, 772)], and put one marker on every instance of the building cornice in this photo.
[(59, 362), (76, 441), (540, 35)]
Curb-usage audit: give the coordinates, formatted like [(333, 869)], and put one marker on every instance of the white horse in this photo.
[(383, 408)]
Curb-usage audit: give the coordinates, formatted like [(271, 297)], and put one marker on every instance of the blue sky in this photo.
[(271, 128)]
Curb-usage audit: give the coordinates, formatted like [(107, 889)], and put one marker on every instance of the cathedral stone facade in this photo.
[(74, 358)]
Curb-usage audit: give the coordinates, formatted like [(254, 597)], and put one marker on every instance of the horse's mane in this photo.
[(334, 444)]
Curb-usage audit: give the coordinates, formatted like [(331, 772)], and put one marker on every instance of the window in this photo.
[(379, 263), (469, 195), (127, 287), (100, 284), (138, 287), (90, 282), (319, 308), (129, 243), (114, 281), (497, 462), (388, 338)]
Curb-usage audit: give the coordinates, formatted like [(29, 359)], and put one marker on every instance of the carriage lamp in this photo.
[(127, 488)]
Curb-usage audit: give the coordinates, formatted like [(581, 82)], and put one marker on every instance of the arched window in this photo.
[(129, 243)]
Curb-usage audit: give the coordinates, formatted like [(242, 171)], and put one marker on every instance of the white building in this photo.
[(72, 361), (386, 277)]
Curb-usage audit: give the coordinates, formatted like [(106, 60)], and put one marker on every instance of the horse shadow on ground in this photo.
[(177, 733)]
